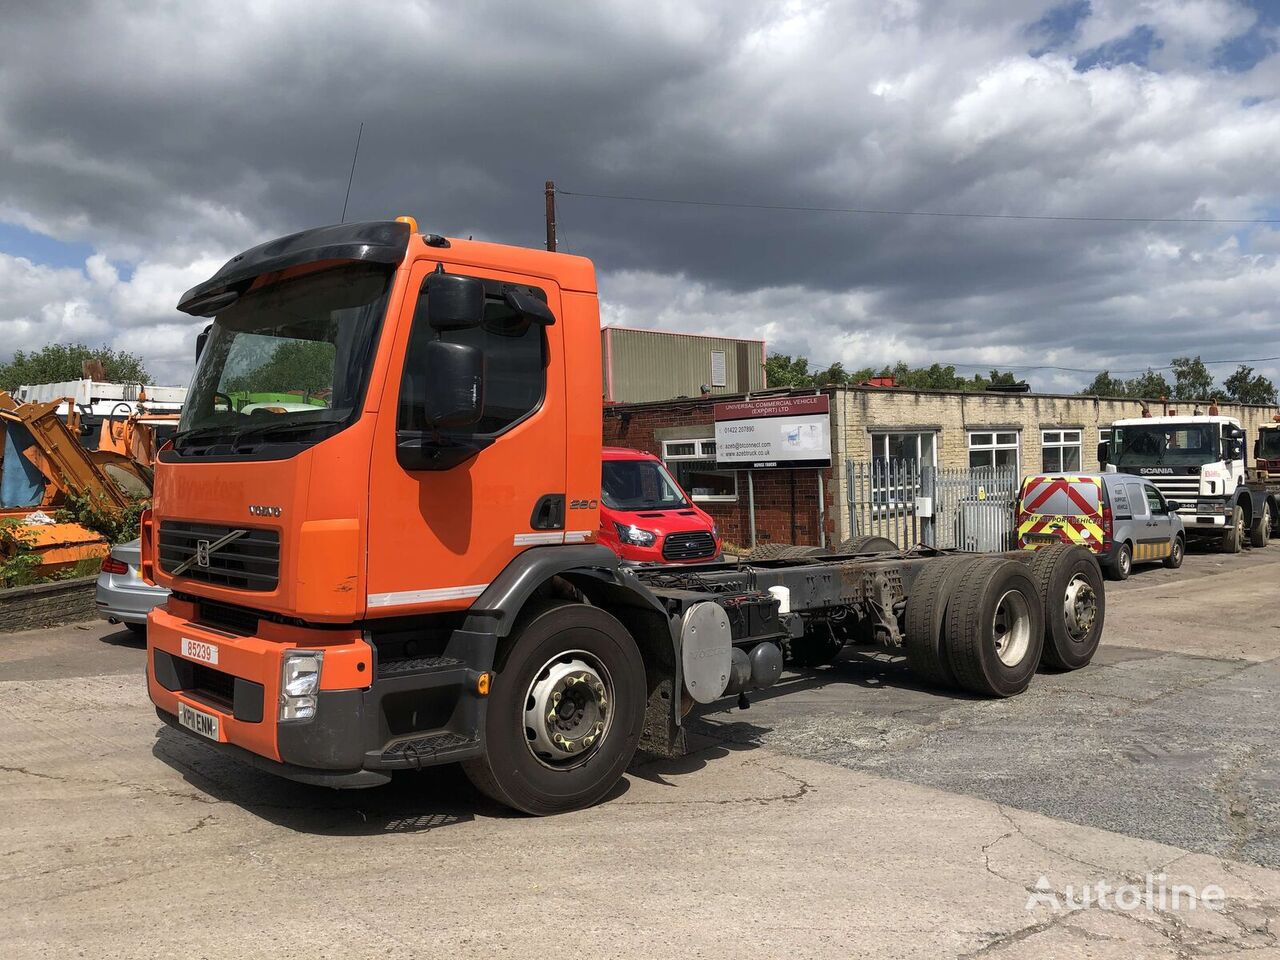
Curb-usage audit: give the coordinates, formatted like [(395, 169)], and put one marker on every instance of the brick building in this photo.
[(949, 429)]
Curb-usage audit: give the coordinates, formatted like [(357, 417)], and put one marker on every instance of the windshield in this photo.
[(288, 361), (1165, 445), (639, 485), (1269, 448)]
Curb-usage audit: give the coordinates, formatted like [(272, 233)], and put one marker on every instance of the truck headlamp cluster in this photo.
[(300, 683), (635, 536)]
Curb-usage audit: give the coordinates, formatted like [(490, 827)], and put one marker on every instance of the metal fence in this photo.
[(909, 503)]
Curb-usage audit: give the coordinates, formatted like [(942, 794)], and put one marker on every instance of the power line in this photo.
[(818, 367), (795, 208)]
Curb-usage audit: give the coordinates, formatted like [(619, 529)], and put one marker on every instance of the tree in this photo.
[(782, 371), (1149, 386), (58, 362), (1244, 387), (1191, 379), (1105, 385), (835, 374)]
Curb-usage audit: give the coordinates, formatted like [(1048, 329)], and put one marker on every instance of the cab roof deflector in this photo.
[(376, 241)]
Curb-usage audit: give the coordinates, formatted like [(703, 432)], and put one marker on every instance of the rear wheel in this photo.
[(1233, 539), (783, 551), (565, 712), (1177, 553), (1074, 602), (868, 543), (1260, 532), (924, 641), (995, 628), (1122, 565)]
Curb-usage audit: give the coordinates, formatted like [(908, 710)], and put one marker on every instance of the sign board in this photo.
[(789, 433)]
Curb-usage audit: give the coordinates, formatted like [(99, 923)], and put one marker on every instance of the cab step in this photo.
[(417, 665), (426, 749)]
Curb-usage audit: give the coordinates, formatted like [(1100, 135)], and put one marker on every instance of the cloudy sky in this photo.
[(141, 144)]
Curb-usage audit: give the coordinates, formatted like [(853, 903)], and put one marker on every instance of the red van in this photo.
[(644, 515)]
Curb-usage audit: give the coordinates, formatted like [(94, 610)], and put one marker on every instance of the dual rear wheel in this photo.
[(985, 624)]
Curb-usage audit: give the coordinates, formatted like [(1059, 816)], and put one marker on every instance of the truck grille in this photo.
[(1183, 489), (693, 545), (250, 562)]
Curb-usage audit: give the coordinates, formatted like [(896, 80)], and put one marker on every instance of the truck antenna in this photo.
[(352, 175)]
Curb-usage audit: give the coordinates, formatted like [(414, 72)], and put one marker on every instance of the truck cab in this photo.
[(1198, 461)]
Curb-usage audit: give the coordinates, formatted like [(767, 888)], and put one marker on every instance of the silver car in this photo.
[(122, 595)]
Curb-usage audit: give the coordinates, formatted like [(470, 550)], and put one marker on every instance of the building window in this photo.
[(719, 369), (1059, 450), (988, 448), (904, 446), (693, 462)]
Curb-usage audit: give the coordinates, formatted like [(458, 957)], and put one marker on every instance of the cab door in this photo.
[(1158, 538), (438, 537)]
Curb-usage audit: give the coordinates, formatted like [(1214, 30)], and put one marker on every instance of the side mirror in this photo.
[(1235, 433), (530, 307), (453, 302), (1235, 449), (1173, 506), (1257, 447), (201, 339), (1104, 450), (454, 394)]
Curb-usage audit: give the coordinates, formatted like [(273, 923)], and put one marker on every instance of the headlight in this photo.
[(635, 536), (715, 531), (299, 684)]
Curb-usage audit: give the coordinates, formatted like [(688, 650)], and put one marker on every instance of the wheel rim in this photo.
[(1011, 628), (1080, 607), (568, 710), (1177, 552), (1126, 561), (1266, 523), (1239, 524)]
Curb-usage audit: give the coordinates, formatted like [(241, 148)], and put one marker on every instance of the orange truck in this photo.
[(409, 575)]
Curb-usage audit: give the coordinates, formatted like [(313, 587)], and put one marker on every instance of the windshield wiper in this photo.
[(267, 429), (183, 435)]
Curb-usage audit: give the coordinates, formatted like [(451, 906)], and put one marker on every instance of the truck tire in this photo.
[(1260, 532), (783, 551), (924, 641), (995, 628), (1233, 539), (868, 543), (1074, 602), (1122, 565), (1177, 553), (542, 759)]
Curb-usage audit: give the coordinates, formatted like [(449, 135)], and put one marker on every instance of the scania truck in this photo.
[(409, 574), (1199, 461)]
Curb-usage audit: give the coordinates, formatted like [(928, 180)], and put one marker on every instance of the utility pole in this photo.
[(551, 215)]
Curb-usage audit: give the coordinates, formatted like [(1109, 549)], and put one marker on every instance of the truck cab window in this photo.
[(515, 357)]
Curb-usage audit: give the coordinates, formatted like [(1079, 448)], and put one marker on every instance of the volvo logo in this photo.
[(257, 511), (202, 553)]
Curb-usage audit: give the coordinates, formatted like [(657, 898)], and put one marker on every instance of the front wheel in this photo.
[(1260, 532), (565, 712), (1233, 539), (1176, 554)]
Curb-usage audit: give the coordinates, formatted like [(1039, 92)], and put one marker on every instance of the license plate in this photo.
[(197, 721), (199, 650), (1042, 538)]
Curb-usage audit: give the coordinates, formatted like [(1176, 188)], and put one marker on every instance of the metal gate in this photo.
[(910, 504)]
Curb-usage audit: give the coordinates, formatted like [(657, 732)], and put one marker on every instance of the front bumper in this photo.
[(359, 733), (1207, 514)]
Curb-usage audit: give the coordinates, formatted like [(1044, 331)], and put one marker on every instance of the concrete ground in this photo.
[(848, 813)]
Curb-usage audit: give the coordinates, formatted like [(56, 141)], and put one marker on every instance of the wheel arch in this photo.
[(589, 572)]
